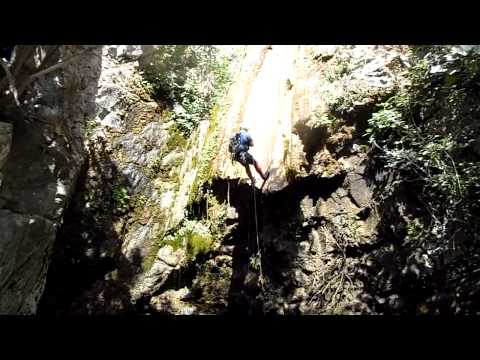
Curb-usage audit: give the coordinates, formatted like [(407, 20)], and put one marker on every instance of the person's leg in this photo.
[(249, 173), (259, 170), (244, 159), (250, 160)]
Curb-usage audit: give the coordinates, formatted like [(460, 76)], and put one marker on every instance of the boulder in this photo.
[(359, 190), (167, 260), (169, 256), (171, 302)]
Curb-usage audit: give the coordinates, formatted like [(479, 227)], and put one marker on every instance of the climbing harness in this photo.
[(259, 253)]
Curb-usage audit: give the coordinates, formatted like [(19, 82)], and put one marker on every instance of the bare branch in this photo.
[(13, 56), (456, 174), (49, 53), (22, 54), (53, 68), (11, 80)]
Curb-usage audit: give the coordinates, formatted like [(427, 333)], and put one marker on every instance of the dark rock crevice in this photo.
[(89, 274), (279, 226), (313, 140)]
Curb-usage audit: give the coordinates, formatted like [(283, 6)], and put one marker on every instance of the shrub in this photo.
[(121, 198), (194, 236), (189, 78), (426, 132), (325, 119), (340, 67)]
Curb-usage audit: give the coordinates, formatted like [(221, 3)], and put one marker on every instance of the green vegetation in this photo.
[(414, 229), (194, 236), (143, 87), (176, 140), (190, 78), (157, 241), (207, 155), (90, 126), (121, 198), (427, 133), (139, 200), (198, 89), (216, 216), (156, 168), (325, 119), (353, 94), (353, 227), (340, 67)]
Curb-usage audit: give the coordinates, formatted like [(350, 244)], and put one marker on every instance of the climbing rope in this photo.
[(259, 253), (228, 194)]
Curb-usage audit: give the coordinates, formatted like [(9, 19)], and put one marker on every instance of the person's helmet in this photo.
[(243, 128)]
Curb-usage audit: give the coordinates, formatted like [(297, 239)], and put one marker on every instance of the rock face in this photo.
[(32, 204), (318, 219), (282, 95), (134, 189), (306, 107), (5, 144)]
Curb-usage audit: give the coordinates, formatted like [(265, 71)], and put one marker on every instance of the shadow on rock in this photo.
[(89, 274)]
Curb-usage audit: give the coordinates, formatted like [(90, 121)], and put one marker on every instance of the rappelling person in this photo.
[(238, 147)]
